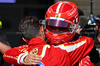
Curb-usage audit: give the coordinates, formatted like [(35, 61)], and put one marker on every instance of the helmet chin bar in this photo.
[(57, 41)]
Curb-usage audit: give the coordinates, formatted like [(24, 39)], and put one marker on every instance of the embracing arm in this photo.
[(4, 47), (12, 55), (19, 55)]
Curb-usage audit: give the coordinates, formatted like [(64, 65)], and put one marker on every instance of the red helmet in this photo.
[(61, 22)]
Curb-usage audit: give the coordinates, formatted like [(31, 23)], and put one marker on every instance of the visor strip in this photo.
[(57, 18), (62, 19)]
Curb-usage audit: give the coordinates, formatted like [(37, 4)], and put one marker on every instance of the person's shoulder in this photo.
[(88, 40), (85, 38), (37, 41)]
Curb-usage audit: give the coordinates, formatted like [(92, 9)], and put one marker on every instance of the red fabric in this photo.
[(81, 51), (61, 55), (11, 55), (53, 56), (86, 62)]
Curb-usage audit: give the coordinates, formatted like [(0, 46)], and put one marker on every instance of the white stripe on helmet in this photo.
[(58, 7), (57, 18)]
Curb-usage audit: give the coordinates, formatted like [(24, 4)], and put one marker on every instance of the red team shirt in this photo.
[(67, 54)]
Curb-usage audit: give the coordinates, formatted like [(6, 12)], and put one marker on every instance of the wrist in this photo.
[(21, 57)]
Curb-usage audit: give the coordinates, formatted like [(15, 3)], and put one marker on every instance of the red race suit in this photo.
[(67, 54)]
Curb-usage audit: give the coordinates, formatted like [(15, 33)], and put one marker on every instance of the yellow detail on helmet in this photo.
[(57, 15)]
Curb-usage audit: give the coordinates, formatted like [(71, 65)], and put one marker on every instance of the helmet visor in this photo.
[(58, 26), (57, 23)]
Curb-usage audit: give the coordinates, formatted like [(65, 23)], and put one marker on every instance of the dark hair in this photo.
[(29, 26)]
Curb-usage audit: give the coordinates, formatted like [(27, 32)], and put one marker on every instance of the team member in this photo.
[(62, 23)]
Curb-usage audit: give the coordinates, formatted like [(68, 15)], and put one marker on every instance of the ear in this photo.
[(41, 29), (25, 40), (42, 32)]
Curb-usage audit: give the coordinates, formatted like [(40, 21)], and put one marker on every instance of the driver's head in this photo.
[(61, 22)]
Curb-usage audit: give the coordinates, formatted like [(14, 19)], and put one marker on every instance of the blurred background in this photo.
[(12, 11)]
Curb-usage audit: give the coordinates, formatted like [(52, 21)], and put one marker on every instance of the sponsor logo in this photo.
[(57, 15), (36, 50)]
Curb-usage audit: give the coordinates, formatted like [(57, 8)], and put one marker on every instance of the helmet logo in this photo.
[(57, 15), (55, 35)]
